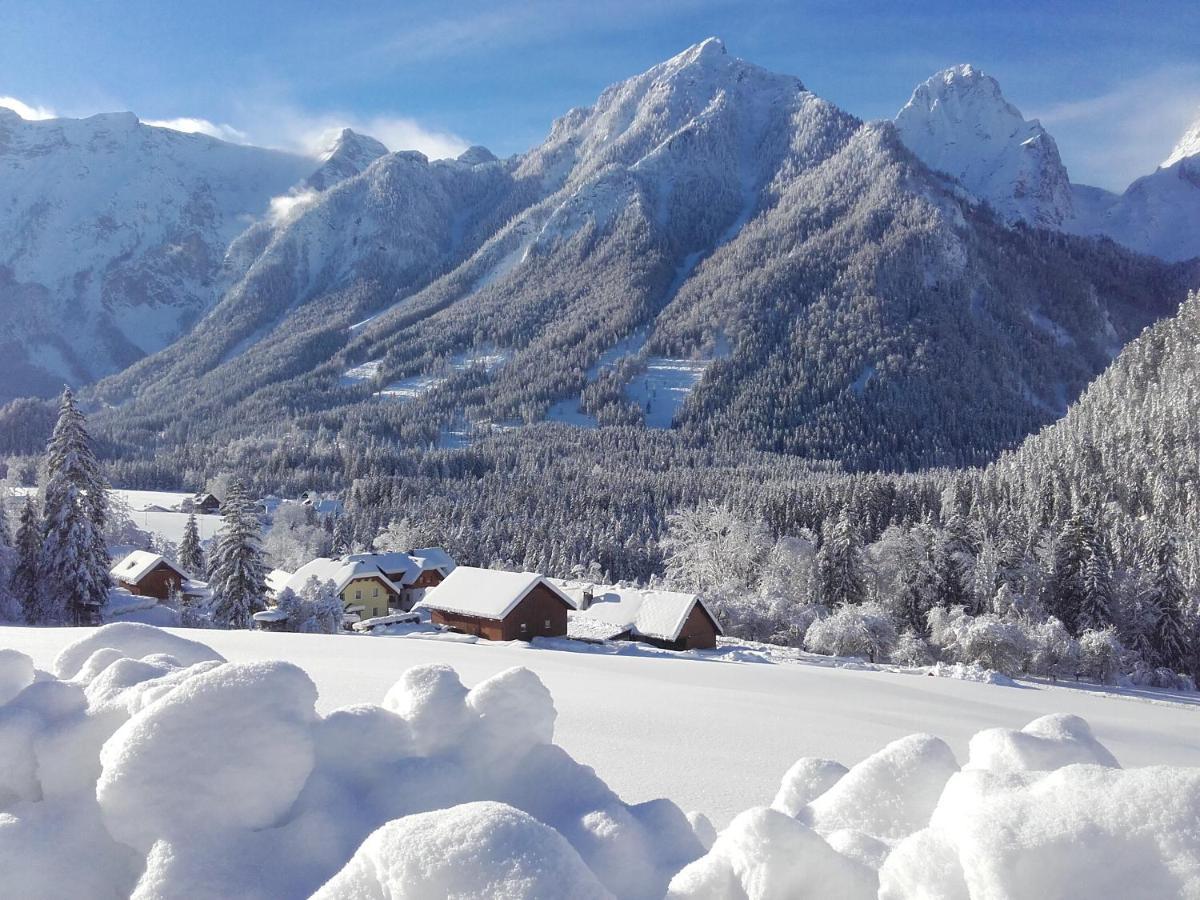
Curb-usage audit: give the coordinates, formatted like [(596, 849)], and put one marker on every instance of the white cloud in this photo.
[(201, 126), (25, 111), (1111, 139), (288, 205), (313, 133)]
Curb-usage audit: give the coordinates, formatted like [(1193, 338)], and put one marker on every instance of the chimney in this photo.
[(586, 602)]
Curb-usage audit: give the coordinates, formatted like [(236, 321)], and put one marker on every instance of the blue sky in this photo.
[(1116, 83)]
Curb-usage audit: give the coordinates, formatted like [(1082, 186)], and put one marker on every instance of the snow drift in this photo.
[(161, 770)]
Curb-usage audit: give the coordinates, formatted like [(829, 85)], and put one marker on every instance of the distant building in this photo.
[(204, 503), (148, 574), (667, 619), (499, 606), (372, 584)]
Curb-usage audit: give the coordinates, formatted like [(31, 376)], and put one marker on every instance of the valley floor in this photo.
[(713, 733)]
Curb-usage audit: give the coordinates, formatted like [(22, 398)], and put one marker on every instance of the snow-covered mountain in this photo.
[(710, 246), (1157, 214), (111, 235), (958, 122), (348, 155)]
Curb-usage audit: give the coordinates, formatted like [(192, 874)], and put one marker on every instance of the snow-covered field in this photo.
[(163, 767), (713, 734)]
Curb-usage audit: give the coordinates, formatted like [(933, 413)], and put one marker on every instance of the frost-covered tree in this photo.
[(709, 547), (867, 630), (1100, 654), (74, 561), (841, 579), (323, 608), (191, 553), (237, 573), (26, 583), (10, 606), (1166, 597)]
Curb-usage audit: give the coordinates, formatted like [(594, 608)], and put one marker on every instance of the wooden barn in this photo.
[(148, 575), (667, 619), (499, 606)]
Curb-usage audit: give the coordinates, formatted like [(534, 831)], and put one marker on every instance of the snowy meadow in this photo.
[(197, 764)]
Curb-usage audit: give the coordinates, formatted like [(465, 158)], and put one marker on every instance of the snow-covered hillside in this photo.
[(167, 767), (111, 235), (703, 210), (959, 123)]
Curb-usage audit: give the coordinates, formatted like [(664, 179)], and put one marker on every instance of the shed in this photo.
[(206, 503), (499, 606), (667, 619), (148, 574)]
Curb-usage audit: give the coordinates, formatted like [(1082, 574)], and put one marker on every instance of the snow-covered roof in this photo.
[(433, 558), (649, 613), (270, 615), (581, 628), (394, 569), (134, 567), (277, 580), (486, 593)]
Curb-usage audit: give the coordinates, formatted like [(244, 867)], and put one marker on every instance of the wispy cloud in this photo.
[(25, 110), (201, 126), (1112, 138), (313, 133)]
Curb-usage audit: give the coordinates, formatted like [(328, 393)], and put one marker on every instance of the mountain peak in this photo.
[(959, 122), (347, 155), (1188, 146)]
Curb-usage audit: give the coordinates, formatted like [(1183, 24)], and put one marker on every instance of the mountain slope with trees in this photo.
[(836, 298)]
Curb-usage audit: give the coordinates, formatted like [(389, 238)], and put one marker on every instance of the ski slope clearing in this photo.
[(162, 769), (630, 714)]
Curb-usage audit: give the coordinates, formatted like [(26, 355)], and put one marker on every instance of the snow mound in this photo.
[(1050, 742), (161, 771), (1081, 831), (16, 674), (764, 853), (891, 793), (472, 850), (132, 640), (166, 772), (806, 780)]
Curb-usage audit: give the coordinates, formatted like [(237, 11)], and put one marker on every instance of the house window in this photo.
[(524, 628), (375, 591), (358, 595), (547, 624)]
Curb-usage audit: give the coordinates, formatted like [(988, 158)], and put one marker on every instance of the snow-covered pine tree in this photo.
[(26, 585), (1096, 587), (10, 607), (841, 578), (191, 554), (237, 571), (1064, 598), (1166, 595), (74, 561)]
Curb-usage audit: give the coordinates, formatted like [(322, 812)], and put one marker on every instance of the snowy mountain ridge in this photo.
[(958, 122), (112, 233), (706, 217), (1188, 146)]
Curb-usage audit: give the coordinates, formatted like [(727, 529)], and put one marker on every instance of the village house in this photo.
[(499, 606), (147, 574), (372, 584), (203, 502), (667, 619)]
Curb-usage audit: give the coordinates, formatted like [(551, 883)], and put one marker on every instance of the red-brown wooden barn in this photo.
[(148, 575), (499, 606)]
